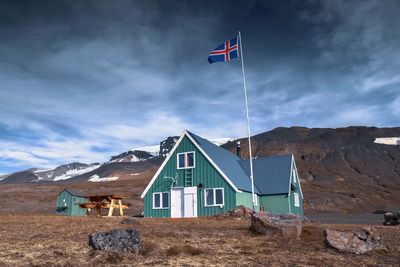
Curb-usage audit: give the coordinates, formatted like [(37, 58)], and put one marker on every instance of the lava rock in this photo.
[(358, 241), (119, 240)]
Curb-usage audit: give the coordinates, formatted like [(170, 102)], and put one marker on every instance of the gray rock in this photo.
[(391, 219), (358, 241), (360, 234), (119, 240), (286, 225)]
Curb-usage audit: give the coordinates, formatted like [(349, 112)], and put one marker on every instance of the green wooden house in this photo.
[(199, 178), (66, 202)]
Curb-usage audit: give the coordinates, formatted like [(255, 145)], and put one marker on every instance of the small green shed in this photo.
[(67, 200), (199, 178)]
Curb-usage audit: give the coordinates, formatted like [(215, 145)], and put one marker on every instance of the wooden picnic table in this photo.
[(108, 201)]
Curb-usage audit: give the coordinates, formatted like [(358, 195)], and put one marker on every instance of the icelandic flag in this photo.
[(225, 52)]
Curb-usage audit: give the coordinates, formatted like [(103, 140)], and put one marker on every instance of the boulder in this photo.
[(119, 240), (358, 241), (391, 219), (241, 211), (286, 225)]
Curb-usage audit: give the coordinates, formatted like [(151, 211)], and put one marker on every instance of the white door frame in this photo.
[(177, 196), (190, 209), (184, 209)]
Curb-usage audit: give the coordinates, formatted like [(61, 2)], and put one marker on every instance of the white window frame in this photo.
[(296, 197), (184, 153), (161, 201), (214, 198)]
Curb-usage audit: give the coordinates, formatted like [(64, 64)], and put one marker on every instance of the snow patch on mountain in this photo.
[(222, 141), (388, 141), (97, 178), (154, 150), (75, 172)]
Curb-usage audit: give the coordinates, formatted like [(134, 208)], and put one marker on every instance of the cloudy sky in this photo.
[(84, 80)]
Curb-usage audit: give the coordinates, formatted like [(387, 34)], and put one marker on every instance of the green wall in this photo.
[(68, 207), (208, 176), (276, 204), (245, 199), (298, 210), (203, 173)]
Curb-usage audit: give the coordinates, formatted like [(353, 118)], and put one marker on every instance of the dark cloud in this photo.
[(104, 76)]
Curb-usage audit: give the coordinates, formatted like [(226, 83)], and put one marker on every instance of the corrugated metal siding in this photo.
[(203, 173), (276, 204), (76, 210)]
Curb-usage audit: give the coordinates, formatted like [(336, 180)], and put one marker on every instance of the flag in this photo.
[(227, 51)]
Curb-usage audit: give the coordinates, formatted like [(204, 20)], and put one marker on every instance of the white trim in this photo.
[(213, 163), (297, 175), (296, 198), (162, 165), (214, 197), (290, 175), (161, 201), (184, 153)]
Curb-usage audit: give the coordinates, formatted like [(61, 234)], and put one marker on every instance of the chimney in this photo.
[(238, 149)]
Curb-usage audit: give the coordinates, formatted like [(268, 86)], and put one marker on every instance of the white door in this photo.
[(176, 202), (190, 202)]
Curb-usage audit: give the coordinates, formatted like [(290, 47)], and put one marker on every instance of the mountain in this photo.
[(352, 169), (19, 177), (66, 171), (131, 156), (340, 167), (123, 166)]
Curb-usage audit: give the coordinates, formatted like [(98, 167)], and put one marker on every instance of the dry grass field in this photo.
[(46, 240)]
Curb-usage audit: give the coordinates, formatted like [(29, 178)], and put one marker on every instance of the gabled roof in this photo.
[(227, 162), (271, 174), (75, 192)]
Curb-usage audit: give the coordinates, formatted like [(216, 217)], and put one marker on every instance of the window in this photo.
[(296, 199), (214, 197), (186, 160), (161, 200)]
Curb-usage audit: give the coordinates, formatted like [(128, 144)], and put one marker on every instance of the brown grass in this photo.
[(28, 240)]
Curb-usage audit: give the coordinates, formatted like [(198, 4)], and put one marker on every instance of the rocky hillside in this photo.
[(340, 168)]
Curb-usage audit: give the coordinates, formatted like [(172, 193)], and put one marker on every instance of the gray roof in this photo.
[(271, 174), (75, 192), (227, 162)]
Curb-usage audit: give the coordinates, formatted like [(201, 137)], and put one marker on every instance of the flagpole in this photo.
[(248, 125)]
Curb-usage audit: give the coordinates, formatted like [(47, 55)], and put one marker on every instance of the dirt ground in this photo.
[(46, 240)]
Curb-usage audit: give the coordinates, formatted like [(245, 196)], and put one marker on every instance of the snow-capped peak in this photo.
[(75, 172)]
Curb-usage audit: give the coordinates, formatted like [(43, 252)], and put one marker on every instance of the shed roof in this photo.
[(75, 192), (271, 174)]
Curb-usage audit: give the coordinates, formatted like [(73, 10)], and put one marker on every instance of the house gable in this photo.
[(185, 134), (204, 176)]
